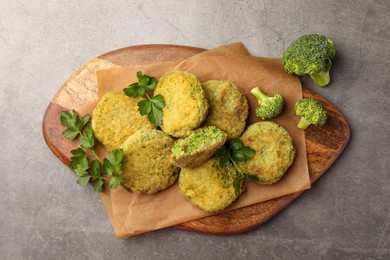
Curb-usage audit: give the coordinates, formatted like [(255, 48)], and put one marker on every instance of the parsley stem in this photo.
[(237, 168), (96, 156), (235, 164), (146, 94)]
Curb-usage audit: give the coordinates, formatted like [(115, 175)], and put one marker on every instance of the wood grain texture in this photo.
[(324, 144)]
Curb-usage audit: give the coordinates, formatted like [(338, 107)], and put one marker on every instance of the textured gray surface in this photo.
[(45, 215)]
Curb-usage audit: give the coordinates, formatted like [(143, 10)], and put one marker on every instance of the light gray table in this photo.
[(45, 215)]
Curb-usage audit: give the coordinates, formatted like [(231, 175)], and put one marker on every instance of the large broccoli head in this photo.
[(269, 106), (311, 55), (311, 111)]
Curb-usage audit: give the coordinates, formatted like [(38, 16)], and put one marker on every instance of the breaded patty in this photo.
[(209, 186), (274, 151), (186, 105), (196, 148), (116, 117), (228, 107), (146, 167)]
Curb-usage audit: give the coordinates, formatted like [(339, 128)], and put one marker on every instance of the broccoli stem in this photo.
[(322, 78), (259, 95), (303, 123)]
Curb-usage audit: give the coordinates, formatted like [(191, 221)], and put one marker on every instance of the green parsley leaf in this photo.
[(234, 151), (107, 167), (238, 152), (80, 171), (116, 179), (85, 119), (73, 123), (235, 144), (147, 81), (142, 79), (224, 161), (70, 133), (247, 151), (158, 101), (152, 107), (238, 157), (98, 184), (79, 158), (68, 119), (250, 177), (113, 164), (152, 83), (155, 116), (83, 180), (223, 155), (237, 183), (135, 90), (94, 169), (139, 88), (144, 107), (116, 157), (87, 141), (221, 152)]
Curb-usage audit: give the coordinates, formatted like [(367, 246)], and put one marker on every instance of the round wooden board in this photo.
[(324, 144)]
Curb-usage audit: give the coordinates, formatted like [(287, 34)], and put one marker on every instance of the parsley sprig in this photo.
[(150, 106), (234, 153), (87, 165)]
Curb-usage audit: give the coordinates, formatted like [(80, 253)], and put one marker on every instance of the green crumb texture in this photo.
[(198, 139), (196, 148)]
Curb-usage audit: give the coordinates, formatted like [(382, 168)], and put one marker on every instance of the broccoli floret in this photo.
[(311, 55), (269, 107), (311, 111)]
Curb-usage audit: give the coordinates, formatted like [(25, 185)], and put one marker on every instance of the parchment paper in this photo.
[(135, 213)]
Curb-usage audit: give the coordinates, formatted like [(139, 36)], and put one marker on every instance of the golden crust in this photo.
[(146, 167), (274, 151), (116, 117), (186, 106), (228, 107), (209, 186)]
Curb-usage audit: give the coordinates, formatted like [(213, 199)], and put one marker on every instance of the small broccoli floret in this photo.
[(311, 55), (311, 111), (269, 107)]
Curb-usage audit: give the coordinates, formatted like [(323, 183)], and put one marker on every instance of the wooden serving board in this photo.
[(324, 144)]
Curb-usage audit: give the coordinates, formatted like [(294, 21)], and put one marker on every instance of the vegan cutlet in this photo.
[(186, 105), (146, 167)]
